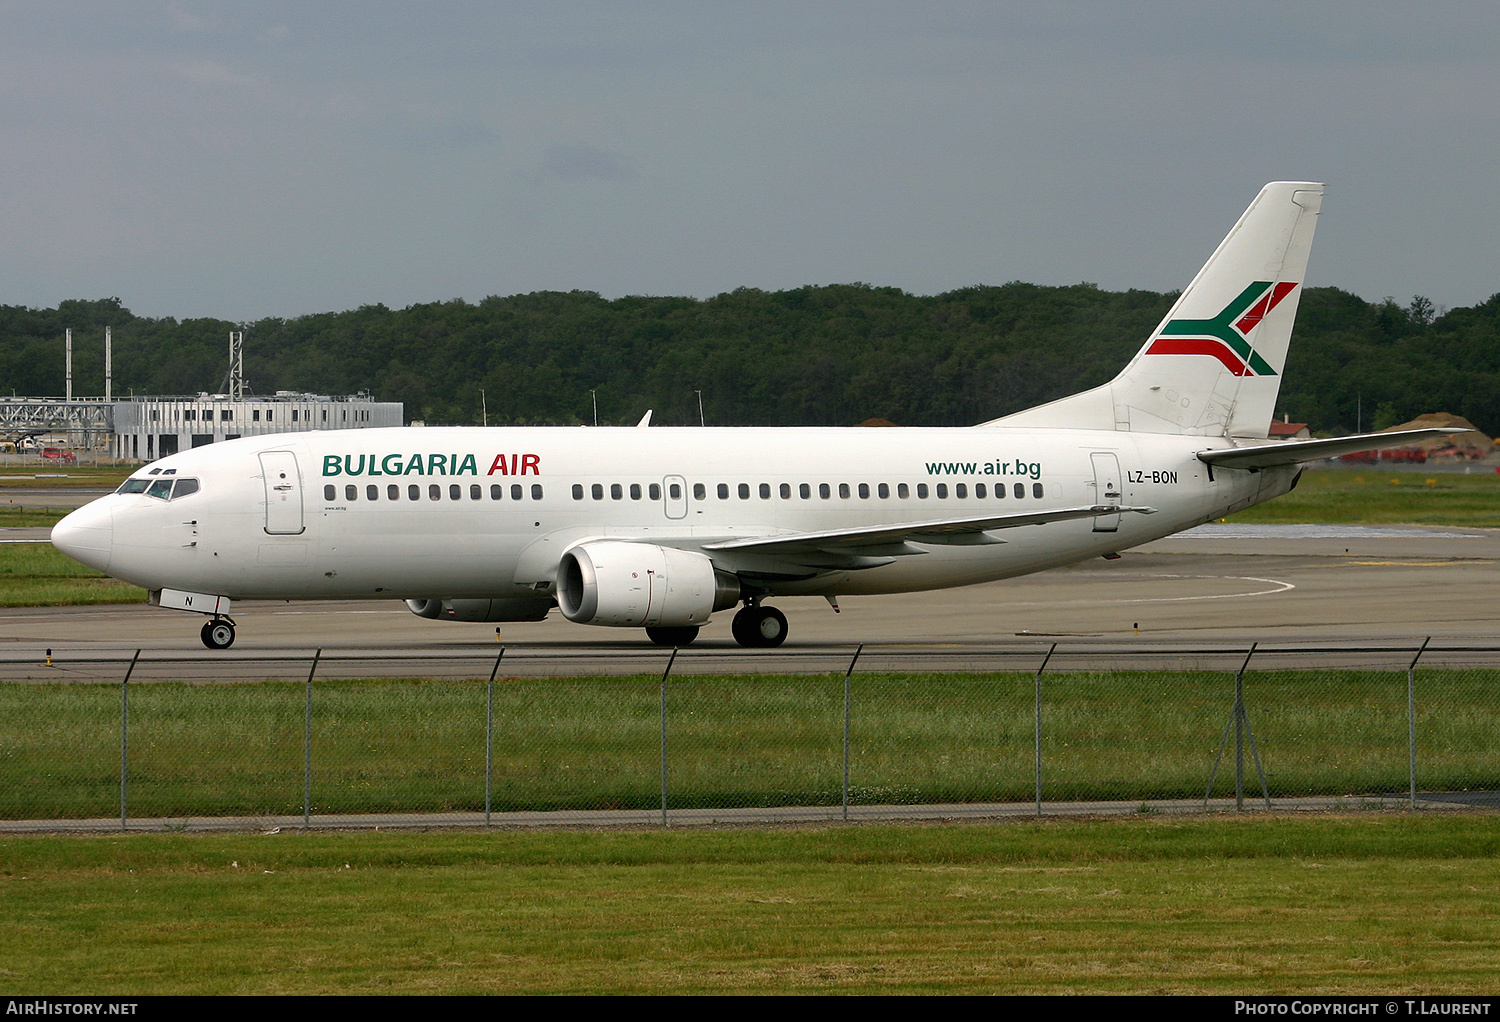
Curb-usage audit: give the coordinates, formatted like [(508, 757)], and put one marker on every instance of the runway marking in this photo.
[(1281, 588)]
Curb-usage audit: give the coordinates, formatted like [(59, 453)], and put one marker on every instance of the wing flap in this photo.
[(885, 537)]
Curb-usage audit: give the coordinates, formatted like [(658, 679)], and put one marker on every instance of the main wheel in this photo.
[(759, 627), (218, 634), (675, 636)]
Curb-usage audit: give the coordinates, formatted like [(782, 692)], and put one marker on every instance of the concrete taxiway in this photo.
[(1219, 586)]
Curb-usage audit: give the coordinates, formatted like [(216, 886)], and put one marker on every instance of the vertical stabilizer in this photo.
[(1213, 366)]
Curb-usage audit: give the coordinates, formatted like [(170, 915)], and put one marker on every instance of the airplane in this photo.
[(660, 528)]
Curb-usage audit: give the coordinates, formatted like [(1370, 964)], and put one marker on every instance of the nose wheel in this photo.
[(759, 627), (218, 633)]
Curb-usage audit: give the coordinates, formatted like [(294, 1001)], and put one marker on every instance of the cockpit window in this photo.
[(161, 489)]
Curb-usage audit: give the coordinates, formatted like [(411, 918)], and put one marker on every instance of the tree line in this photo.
[(828, 355)]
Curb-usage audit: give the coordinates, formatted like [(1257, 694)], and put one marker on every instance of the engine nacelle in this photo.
[(633, 585), (506, 609)]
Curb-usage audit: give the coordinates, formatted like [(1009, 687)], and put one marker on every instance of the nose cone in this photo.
[(87, 535)]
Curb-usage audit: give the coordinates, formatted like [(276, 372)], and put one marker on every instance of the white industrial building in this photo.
[(148, 427), (153, 427)]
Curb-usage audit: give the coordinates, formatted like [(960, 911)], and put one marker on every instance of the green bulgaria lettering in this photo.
[(399, 465)]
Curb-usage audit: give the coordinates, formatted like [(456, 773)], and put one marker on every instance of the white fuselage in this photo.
[(488, 512)]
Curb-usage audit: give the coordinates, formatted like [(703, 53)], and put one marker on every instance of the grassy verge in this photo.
[(1381, 905), (414, 746), (36, 575), (1374, 497), (27, 517)]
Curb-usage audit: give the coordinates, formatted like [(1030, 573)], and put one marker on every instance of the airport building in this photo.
[(148, 427)]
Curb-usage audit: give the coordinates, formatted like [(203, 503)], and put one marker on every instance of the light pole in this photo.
[(594, 394), (700, 407)]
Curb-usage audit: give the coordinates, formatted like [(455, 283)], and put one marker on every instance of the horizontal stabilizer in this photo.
[(940, 531), (1293, 452)]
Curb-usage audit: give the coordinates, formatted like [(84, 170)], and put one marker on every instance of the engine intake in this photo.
[(631, 585)]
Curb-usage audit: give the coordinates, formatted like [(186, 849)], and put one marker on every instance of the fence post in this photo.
[(125, 731), (489, 735), (1411, 719), (1239, 720), (1037, 727), (850, 671), (307, 744), (664, 674)]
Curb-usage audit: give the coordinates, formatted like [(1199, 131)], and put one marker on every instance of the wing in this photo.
[(1292, 452), (881, 543)]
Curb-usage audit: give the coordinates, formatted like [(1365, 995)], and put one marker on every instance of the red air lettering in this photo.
[(518, 465)]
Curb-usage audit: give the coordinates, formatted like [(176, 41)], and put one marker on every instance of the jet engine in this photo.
[(630, 585), (507, 609)]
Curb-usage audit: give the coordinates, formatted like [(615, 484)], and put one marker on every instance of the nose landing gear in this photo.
[(218, 633), (759, 627)]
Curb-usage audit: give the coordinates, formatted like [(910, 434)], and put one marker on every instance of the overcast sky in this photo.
[(258, 158)]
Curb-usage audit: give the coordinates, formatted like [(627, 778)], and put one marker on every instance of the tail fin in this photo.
[(1213, 366)]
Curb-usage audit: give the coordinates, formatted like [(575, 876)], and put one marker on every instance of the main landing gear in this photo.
[(759, 627), (218, 633)]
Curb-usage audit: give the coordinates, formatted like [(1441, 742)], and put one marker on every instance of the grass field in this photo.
[(1374, 497), (1383, 904), (36, 575), (413, 746)]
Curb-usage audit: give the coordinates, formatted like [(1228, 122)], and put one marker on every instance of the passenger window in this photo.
[(921, 491), (536, 491), (475, 493), (675, 491), (804, 491), (744, 491), (864, 491), (960, 490), (515, 491), (635, 491), (351, 492), (723, 491), (786, 491), (497, 491), (942, 491), (903, 491), (1020, 490), (455, 492), (843, 491), (597, 491), (884, 490), (981, 491), (765, 491), (654, 491), (999, 491), (414, 492), (1036, 489), (329, 493), (434, 492), (699, 491), (824, 491), (393, 492), (616, 491), (577, 491), (372, 492)]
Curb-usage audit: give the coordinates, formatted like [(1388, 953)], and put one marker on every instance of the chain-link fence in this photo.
[(317, 740)]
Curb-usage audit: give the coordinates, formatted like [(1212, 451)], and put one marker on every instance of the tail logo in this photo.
[(1226, 336)]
